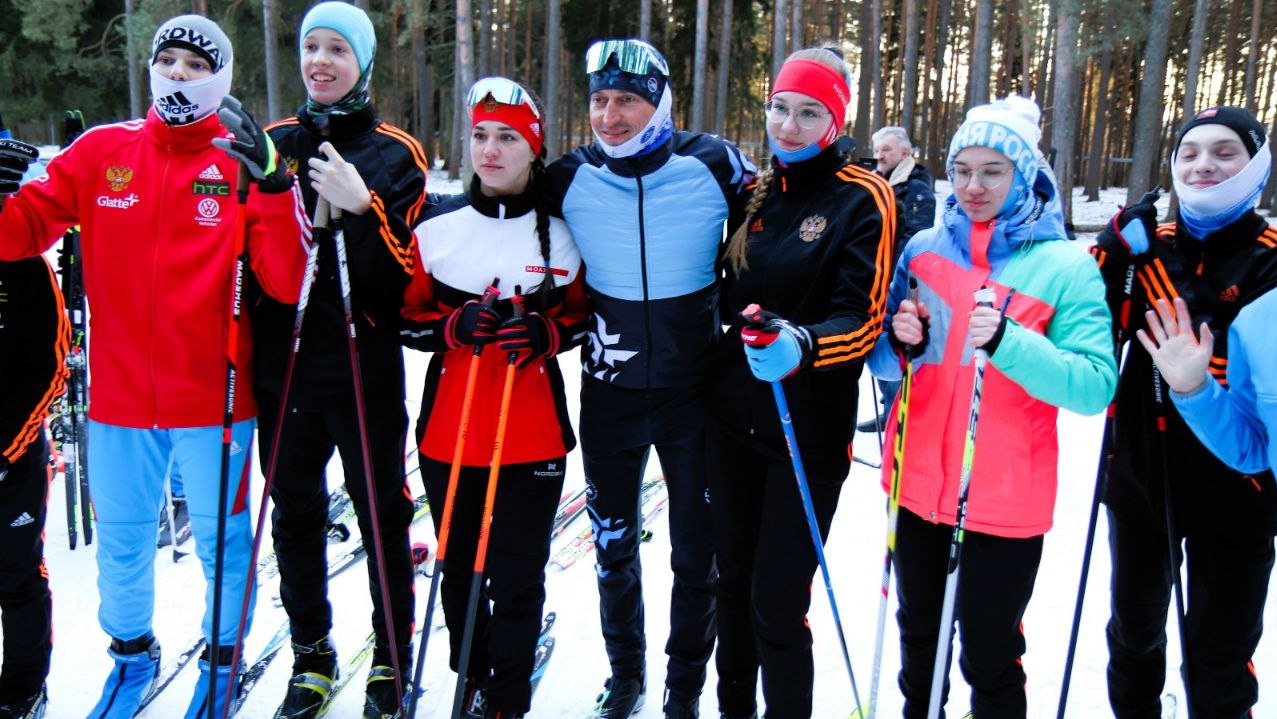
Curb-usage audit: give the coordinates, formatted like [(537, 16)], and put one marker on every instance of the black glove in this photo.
[(15, 158), (251, 147), (1136, 225), (474, 323), (531, 333)]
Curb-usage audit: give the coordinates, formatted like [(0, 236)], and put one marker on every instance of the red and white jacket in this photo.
[(462, 245), (157, 210)]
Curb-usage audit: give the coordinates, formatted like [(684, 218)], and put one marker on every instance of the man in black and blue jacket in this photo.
[(648, 205)]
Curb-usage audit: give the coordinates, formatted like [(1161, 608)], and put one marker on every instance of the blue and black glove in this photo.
[(15, 158), (774, 346), (251, 147), (1137, 224)]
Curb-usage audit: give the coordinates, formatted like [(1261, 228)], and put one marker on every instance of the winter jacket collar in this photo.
[(1224, 241), (503, 206), (182, 139), (640, 165), (807, 175), (902, 172), (341, 127)]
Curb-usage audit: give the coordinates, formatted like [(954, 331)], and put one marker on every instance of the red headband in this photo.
[(520, 117), (819, 81)]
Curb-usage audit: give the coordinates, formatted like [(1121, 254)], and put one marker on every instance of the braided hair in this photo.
[(540, 185), (738, 245)]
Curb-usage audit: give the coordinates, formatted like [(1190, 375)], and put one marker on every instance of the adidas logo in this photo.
[(756, 227), (211, 173), (23, 520)]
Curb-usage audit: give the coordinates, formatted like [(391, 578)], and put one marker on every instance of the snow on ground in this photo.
[(579, 666)]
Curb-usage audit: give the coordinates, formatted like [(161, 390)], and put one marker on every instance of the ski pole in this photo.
[(1107, 447), (450, 494), (485, 524), (319, 225), (343, 277), (1172, 540), (893, 510), (752, 315), (228, 423), (944, 638)]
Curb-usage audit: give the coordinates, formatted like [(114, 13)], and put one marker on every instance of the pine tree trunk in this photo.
[(933, 119), (1148, 117), (550, 80), (270, 42), (864, 90), (780, 17), (1044, 65), (1252, 58), (483, 51), (1201, 9), (724, 63), (796, 41), (1062, 132), (1094, 166), (910, 79), (876, 64), (1227, 87), (981, 54), (699, 71), (645, 19), (1027, 31), (463, 75), (131, 62)]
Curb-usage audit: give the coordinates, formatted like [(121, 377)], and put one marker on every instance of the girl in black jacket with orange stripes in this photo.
[(815, 252), (335, 135)]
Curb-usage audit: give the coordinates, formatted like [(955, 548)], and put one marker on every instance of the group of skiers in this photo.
[(692, 279)]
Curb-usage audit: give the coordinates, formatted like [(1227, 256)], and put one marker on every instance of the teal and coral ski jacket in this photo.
[(1056, 351)]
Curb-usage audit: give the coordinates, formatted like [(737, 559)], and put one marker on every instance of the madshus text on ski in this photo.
[(252, 289)]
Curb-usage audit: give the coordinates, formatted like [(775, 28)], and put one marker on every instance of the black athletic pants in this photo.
[(618, 429), (300, 518), (994, 586), (766, 562), (1225, 590), (512, 598), (26, 607)]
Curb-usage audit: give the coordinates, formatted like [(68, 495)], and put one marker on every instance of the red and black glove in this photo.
[(473, 323), (531, 333)]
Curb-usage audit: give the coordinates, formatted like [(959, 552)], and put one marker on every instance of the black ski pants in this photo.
[(1227, 584), (26, 607), (766, 562), (512, 593), (994, 587), (300, 519), (618, 429)]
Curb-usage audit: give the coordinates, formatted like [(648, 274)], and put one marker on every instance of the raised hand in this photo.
[(339, 181), (1182, 358)]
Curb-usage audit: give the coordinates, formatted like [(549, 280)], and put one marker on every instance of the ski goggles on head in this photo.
[(503, 91), (633, 56)]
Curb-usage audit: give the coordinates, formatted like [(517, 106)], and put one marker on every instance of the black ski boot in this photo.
[(379, 694), (314, 673), (475, 702), (181, 518), (33, 707), (621, 697), (677, 707)]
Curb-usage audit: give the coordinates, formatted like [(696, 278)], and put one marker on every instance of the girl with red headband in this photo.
[(500, 228), (815, 253)]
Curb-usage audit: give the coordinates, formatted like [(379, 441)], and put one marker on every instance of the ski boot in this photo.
[(498, 714), (314, 672), (33, 707), (137, 666), (621, 697), (222, 674), (181, 518), (379, 694), (475, 702), (677, 707)]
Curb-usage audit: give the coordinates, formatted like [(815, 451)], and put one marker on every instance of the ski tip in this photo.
[(420, 553), (860, 712)]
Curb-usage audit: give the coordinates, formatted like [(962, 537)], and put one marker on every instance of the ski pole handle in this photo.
[(516, 304)]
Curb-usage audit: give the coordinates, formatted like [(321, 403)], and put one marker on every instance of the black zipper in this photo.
[(647, 317)]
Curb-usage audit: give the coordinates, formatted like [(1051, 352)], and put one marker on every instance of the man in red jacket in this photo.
[(156, 202)]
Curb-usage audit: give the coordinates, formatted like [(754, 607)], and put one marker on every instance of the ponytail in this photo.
[(738, 245)]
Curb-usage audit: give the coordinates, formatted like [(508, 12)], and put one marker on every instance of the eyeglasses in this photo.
[(633, 56), (806, 118), (503, 91), (990, 178)]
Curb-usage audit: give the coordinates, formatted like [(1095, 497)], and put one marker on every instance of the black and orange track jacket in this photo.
[(820, 255), (380, 249), (1216, 277), (34, 337)]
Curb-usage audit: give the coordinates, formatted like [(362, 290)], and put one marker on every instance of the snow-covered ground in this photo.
[(579, 666)]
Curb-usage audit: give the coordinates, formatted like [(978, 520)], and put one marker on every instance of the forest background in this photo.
[(1115, 78)]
